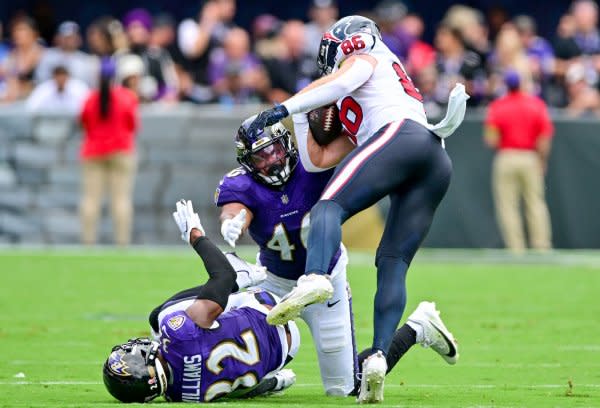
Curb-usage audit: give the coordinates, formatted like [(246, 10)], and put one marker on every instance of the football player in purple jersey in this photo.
[(270, 196), (210, 344)]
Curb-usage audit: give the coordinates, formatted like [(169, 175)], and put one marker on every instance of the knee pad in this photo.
[(333, 335)]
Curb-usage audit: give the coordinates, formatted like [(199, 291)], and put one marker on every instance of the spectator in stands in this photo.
[(265, 32), (20, 65), (420, 54), (518, 127), (582, 98), (61, 93), (470, 24), (196, 40), (293, 68), (235, 73), (566, 52), (67, 54), (426, 81), (105, 37), (130, 73), (564, 44), (539, 52), (322, 14), (159, 71), (587, 36), (509, 55), (389, 15), (456, 64), (163, 35), (110, 121)]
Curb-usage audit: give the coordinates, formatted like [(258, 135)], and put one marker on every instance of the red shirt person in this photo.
[(110, 120), (116, 131), (519, 128)]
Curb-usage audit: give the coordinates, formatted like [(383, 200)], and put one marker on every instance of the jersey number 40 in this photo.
[(280, 241)]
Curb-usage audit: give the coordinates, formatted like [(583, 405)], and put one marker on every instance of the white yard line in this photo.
[(462, 386), (361, 258)]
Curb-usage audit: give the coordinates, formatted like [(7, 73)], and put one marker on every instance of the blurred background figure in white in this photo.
[(61, 93)]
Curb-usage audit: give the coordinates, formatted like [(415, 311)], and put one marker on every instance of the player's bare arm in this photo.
[(491, 136), (316, 157), (329, 155)]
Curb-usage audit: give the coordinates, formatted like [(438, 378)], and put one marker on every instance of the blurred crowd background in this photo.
[(217, 51), (134, 100)]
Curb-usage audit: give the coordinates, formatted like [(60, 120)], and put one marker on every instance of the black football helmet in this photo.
[(270, 157), (133, 372), (344, 28)]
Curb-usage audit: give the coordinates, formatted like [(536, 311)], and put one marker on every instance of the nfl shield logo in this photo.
[(285, 199)]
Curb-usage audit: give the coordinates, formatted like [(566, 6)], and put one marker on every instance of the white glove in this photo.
[(285, 379), (247, 274), (231, 228), (186, 219)]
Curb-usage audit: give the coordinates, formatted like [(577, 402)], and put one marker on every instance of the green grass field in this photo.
[(529, 328)]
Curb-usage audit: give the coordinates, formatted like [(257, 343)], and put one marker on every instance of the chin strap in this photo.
[(161, 375)]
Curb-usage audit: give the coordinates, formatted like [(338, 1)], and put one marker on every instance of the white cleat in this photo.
[(433, 332), (310, 289), (373, 376), (285, 379)]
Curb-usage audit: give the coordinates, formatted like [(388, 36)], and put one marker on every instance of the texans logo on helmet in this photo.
[(117, 365)]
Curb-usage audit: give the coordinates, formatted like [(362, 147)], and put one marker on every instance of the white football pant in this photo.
[(330, 324)]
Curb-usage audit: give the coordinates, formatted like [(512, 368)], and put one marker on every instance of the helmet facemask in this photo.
[(133, 372), (271, 158)]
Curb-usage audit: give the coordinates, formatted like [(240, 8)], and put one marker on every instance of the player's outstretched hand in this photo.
[(231, 228), (186, 219), (267, 118)]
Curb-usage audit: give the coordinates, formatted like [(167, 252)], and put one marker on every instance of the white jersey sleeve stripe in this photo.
[(345, 175)]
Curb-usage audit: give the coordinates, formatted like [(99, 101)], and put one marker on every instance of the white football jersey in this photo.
[(388, 95)]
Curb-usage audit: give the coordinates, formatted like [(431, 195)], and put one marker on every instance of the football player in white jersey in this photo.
[(397, 154)]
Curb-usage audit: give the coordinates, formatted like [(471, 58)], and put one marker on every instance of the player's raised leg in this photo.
[(411, 213), (343, 197), (425, 327)]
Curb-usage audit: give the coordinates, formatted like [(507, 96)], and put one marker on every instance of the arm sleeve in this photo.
[(221, 281), (301, 131), (357, 74)]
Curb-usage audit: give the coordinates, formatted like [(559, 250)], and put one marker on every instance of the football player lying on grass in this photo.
[(210, 344)]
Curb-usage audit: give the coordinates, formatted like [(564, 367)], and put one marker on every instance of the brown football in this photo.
[(325, 124)]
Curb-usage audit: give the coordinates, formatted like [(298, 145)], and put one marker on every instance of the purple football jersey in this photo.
[(207, 364), (281, 215)]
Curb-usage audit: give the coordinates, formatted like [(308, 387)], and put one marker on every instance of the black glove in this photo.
[(267, 118)]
